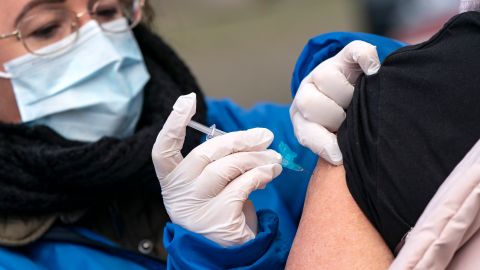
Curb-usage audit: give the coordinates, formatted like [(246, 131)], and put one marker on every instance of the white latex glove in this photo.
[(318, 109), (207, 191)]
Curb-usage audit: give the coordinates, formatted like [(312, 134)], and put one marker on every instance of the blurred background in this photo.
[(246, 49)]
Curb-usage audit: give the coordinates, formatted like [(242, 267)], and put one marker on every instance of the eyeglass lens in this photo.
[(50, 24), (106, 11)]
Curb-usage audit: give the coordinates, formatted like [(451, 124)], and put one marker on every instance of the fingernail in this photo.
[(373, 68), (277, 169), (264, 134), (332, 154), (278, 157), (268, 134), (185, 103)]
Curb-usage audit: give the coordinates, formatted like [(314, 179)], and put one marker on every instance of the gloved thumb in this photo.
[(318, 139), (166, 153), (364, 54), (331, 153)]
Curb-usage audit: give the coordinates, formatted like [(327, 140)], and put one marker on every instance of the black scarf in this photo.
[(43, 173)]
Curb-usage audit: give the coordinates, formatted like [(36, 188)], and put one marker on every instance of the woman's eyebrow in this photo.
[(32, 4)]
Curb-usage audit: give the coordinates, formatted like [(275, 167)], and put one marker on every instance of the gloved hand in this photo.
[(207, 191), (318, 109)]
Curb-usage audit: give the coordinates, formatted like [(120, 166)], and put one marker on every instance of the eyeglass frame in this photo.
[(78, 16)]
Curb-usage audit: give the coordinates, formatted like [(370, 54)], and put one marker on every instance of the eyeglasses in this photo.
[(47, 24)]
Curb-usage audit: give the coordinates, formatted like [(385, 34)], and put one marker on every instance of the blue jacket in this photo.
[(279, 205)]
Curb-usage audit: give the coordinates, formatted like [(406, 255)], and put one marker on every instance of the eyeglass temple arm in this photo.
[(13, 34)]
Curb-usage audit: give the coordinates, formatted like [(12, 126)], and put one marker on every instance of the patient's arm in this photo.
[(333, 232)]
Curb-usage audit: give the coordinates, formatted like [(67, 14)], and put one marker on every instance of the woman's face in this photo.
[(11, 11)]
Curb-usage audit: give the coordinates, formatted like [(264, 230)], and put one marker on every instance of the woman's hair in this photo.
[(149, 14)]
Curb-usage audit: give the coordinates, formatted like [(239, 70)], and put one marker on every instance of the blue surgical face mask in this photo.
[(89, 92)]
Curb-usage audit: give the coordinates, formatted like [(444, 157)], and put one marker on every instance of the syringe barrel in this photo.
[(199, 127), (211, 132)]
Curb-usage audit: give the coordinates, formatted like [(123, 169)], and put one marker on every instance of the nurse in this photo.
[(86, 88)]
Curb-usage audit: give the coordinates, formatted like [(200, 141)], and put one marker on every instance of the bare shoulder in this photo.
[(333, 232)]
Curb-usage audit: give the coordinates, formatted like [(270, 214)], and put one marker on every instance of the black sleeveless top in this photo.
[(409, 125)]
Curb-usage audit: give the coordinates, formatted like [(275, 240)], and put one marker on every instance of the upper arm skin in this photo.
[(333, 232)]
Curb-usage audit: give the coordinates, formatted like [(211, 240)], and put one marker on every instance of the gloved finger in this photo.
[(166, 153), (250, 216), (240, 188), (333, 83), (317, 138), (317, 107), (252, 140), (218, 174), (361, 54)]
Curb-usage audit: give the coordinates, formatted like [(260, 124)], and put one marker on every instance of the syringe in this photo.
[(287, 154), (211, 132)]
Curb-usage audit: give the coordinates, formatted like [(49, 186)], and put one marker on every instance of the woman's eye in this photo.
[(106, 14), (45, 32)]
